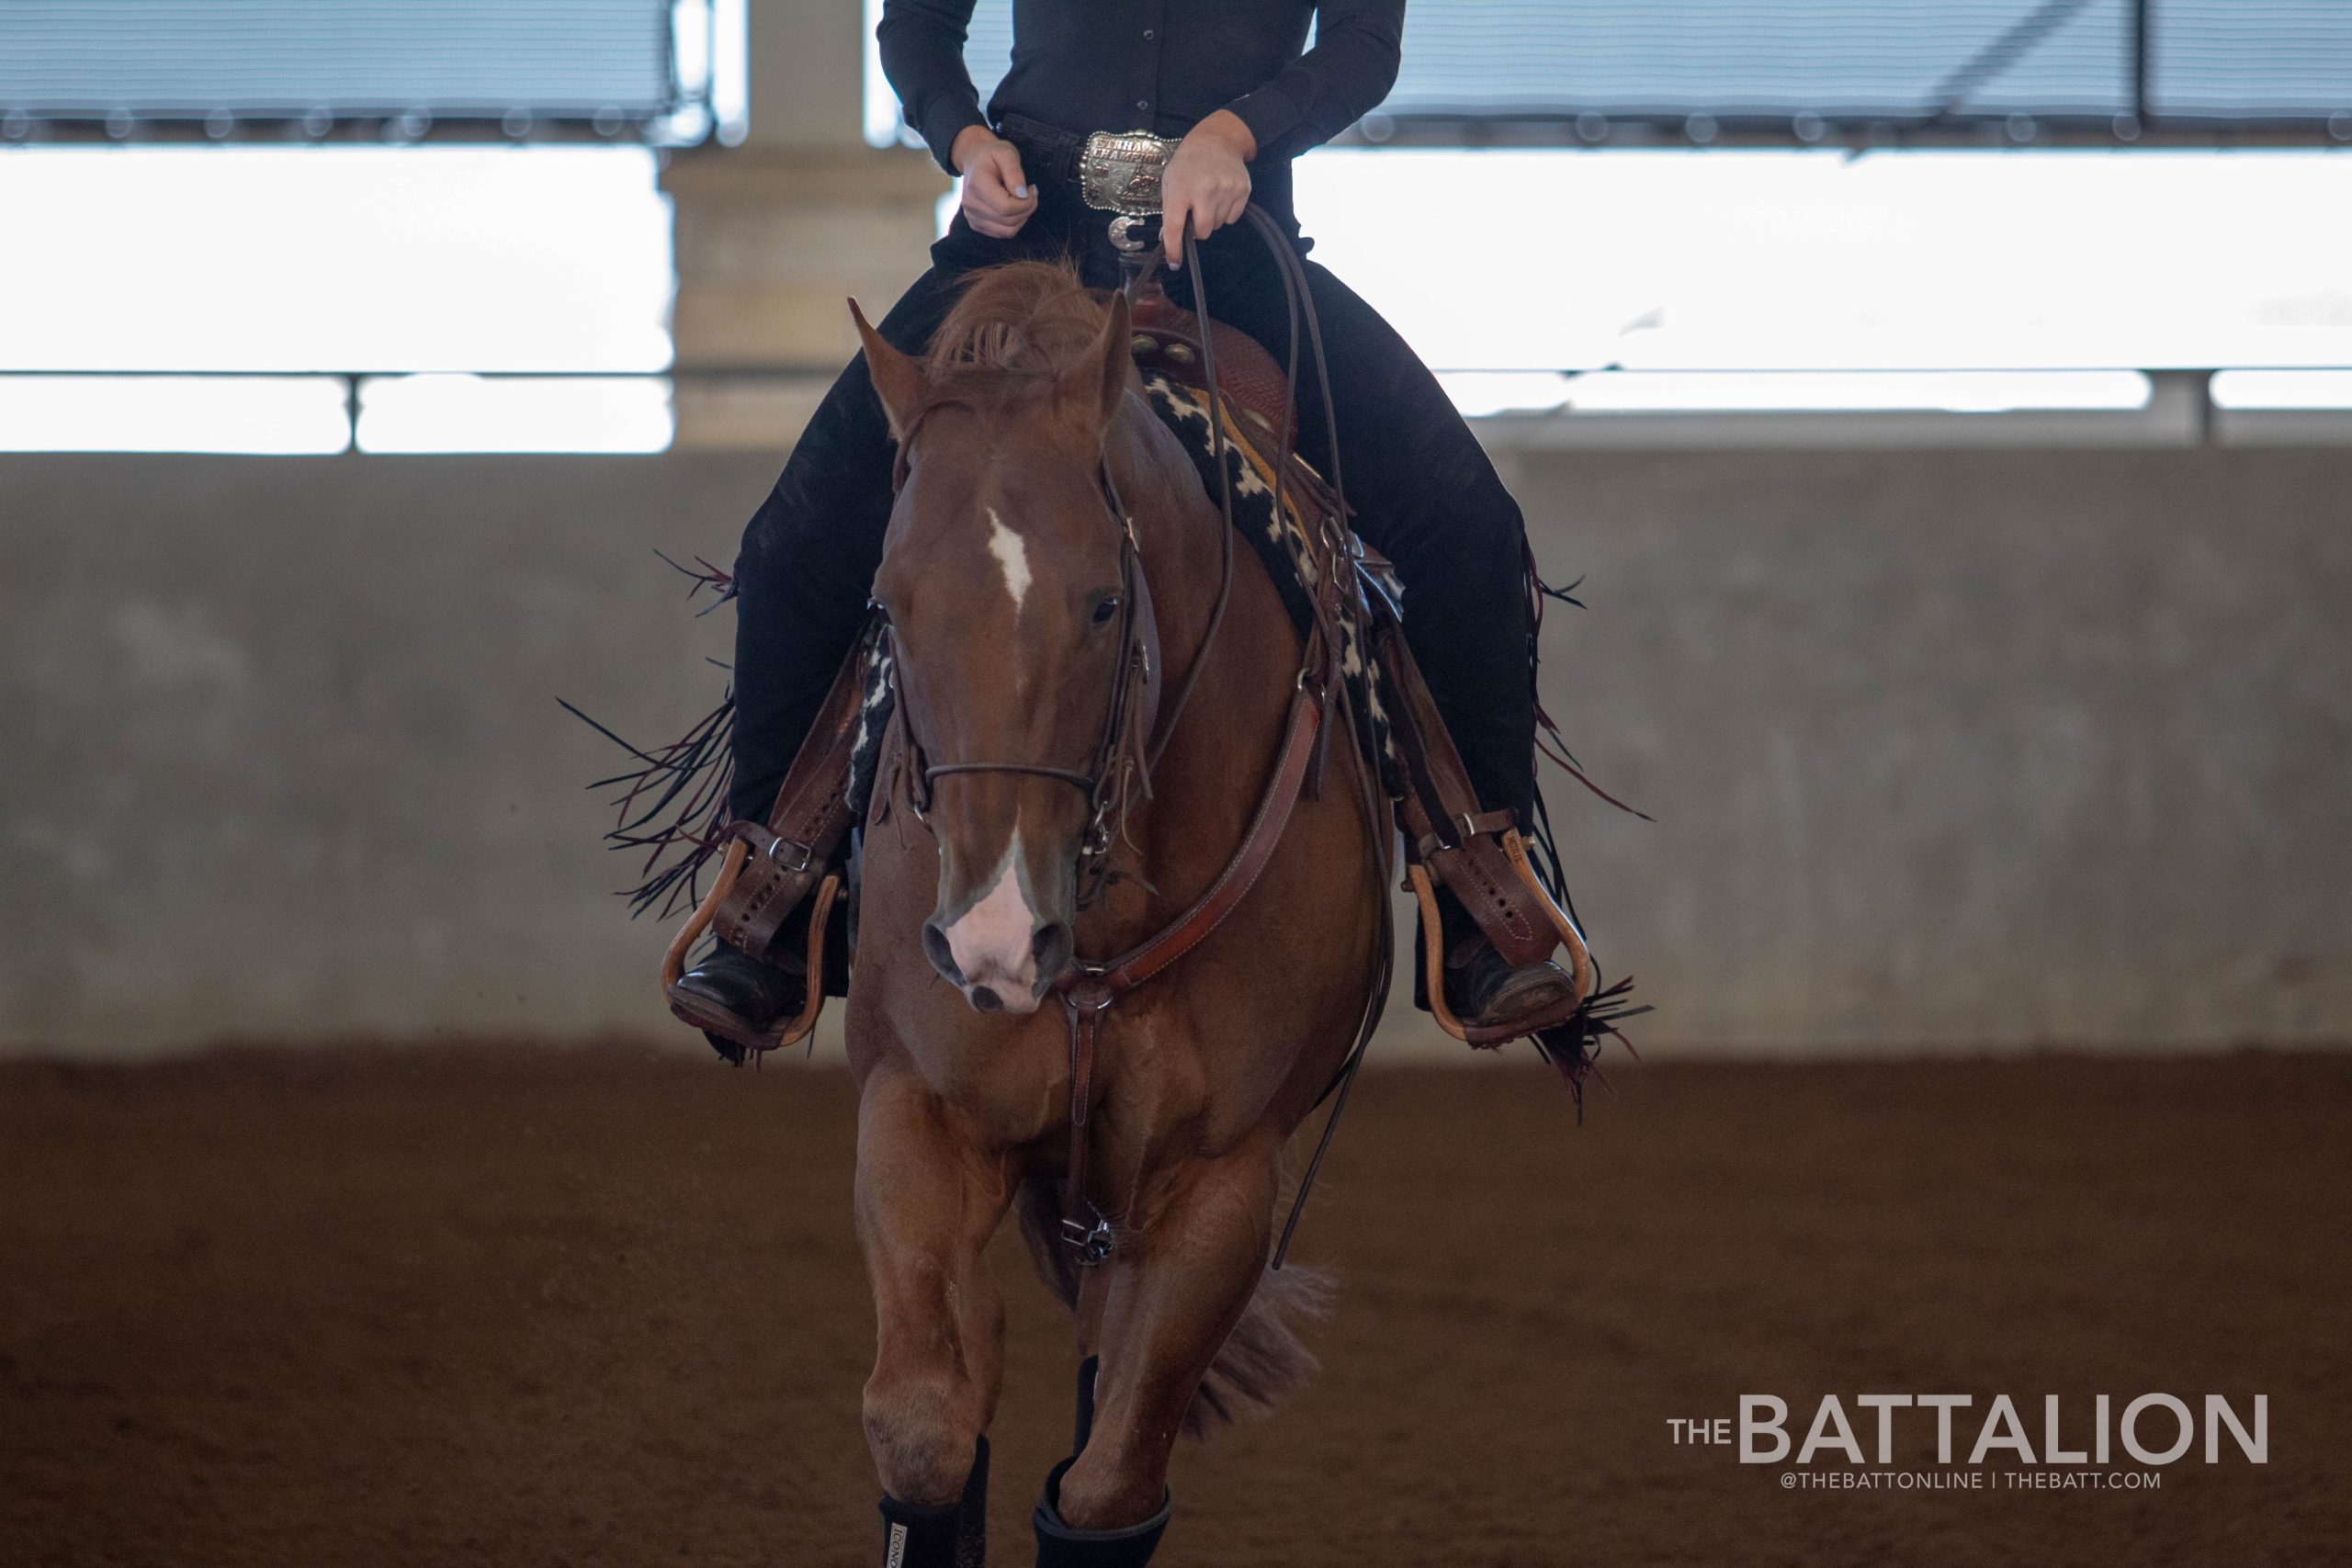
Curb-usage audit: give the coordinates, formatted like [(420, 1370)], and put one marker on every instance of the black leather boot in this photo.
[(1481, 986), (730, 985), (951, 1535)]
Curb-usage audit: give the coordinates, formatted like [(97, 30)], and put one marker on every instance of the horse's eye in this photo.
[(1104, 608)]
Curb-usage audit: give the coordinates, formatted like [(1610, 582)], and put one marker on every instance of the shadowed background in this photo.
[(1954, 749)]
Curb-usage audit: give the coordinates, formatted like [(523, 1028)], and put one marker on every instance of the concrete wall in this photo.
[(1951, 749)]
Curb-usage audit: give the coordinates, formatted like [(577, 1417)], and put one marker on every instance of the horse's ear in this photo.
[(1090, 388), (897, 378)]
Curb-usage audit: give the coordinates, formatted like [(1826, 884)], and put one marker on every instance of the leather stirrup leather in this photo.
[(772, 868), (1476, 855)]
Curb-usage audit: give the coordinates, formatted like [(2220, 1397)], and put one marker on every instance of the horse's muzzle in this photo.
[(999, 950)]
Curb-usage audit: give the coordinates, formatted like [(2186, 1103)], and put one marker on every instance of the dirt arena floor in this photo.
[(601, 1308)]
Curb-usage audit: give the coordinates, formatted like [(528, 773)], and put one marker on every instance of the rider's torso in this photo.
[(1086, 65)]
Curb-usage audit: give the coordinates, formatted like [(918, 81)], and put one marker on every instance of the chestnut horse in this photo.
[(1041, 506)]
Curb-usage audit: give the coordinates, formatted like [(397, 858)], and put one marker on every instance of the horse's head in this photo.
[(1012, 591)]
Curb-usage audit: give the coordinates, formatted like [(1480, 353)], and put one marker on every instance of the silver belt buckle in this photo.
[(1119, 171)]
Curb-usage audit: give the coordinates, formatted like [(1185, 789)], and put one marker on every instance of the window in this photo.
[(1677, 262), (552, 260), (645, 69)]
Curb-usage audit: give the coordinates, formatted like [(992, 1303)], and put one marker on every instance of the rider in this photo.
[(1232, 79)]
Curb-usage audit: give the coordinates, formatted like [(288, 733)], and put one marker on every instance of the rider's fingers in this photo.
[(1174, 216), (997, 172), (978, 205), (997, 198), (995, 222), (1015, 180)]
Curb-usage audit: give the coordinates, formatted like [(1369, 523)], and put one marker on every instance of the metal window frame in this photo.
[(2141, 122), (691, 115)]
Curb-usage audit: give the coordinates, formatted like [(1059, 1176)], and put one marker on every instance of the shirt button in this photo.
[(1143, 103), (1148, 35)]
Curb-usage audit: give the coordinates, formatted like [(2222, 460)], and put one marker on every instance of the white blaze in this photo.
[(1013, 555), (992, 941)]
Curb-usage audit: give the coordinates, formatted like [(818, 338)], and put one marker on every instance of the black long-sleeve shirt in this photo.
[(1156, 66)]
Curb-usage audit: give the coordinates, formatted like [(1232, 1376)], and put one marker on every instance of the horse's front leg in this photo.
[(928, 1200), (1184, 1272)]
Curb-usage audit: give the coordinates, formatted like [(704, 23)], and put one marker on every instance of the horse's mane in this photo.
[(1029, 318)]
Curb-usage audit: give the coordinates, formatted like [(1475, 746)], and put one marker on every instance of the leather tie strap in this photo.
[(1083, 1225), (791, 851)]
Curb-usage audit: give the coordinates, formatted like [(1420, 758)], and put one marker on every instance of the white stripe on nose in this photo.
[(993, 941), (1013, 554)]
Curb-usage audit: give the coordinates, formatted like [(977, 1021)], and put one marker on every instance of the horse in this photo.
[(1049, 537)]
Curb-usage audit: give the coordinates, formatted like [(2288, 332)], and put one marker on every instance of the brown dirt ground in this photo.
[(499, 1307)]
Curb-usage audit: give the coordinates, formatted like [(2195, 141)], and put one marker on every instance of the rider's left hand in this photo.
[(1206, 183)]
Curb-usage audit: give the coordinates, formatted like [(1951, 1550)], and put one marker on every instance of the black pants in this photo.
[(1425, 495)]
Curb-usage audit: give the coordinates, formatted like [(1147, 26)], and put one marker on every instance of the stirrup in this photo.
[(1432, 957), (784, 1031)]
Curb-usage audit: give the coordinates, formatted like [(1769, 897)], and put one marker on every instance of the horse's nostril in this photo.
[(1051, 947), (987, 1000), (943, 958)]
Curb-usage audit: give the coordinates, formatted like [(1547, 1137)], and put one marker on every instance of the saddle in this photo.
[(801, 851)]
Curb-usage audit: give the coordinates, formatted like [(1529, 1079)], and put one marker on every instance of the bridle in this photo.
[(1135, 734), (1120, 769)]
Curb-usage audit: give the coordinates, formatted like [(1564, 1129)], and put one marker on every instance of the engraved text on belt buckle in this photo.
[(1119, 171)]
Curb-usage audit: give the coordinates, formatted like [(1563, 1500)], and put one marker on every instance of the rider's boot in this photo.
[(729, 986), (952, 1535), (1481, 986)]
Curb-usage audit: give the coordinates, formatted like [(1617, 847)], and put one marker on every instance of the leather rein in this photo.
[(1134, 737)]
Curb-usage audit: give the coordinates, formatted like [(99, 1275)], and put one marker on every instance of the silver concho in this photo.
[(1129, 234), (1119, 171)]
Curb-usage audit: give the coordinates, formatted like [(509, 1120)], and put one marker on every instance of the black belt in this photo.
[(1048, 153)]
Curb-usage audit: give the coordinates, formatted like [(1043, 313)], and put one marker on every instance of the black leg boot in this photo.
[(1059, 1546), (951, 1535)]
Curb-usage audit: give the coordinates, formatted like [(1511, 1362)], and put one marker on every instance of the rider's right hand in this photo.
[(997, 198)]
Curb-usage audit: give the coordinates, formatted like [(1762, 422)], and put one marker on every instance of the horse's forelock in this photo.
[(1029, 316)]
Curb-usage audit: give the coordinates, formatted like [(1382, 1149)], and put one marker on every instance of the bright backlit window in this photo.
[(517, 298), (333, 259), (475, 413), (1811, 261), (280, 416)]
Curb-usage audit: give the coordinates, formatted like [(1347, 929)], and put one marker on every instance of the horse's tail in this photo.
[(1262, 1362)]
